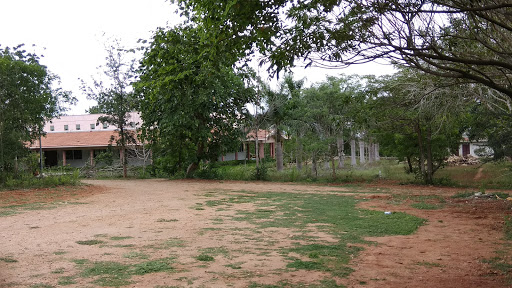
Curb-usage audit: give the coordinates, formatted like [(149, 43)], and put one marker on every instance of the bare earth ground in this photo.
[(162, 218)]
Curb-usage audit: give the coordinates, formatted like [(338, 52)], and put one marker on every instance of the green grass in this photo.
[(118, 238), (507, 227), (428, 264), (8, 260), (337, 213), (205, 258), (114, 274), (41, 285), (166, 220), (136, 255), (66, 280), (89, 242), (427, 206)]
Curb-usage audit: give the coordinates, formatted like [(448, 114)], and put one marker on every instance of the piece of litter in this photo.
[(387, 212)]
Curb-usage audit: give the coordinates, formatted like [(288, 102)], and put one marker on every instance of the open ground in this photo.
[(191, 233)]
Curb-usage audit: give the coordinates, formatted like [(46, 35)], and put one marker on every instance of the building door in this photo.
[(465, 149)]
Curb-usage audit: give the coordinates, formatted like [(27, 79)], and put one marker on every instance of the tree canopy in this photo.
[(193, 102), (27, 99), (468, 41)]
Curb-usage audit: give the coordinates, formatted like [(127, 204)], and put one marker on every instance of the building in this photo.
[(475, 148), (75, 140)]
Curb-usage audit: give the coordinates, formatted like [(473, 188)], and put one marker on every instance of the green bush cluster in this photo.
[(26, 180)]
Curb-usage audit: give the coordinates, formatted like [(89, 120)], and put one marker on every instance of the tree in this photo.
[(192, 103), (491, 120), (116, 98), (466, 41), (335, 113), (27, 99), (418, 119)]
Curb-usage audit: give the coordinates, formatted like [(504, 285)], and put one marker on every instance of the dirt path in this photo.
[(142, 220)]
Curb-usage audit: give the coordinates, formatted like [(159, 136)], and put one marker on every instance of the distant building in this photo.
[(473, 148), (75, 140)]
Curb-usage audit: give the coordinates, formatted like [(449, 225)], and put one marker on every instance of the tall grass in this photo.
[(493, 175)]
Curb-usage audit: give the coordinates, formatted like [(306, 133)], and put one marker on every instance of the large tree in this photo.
[(115, 98), (467, 41), (193, 103), (419, 119), (28, 98)]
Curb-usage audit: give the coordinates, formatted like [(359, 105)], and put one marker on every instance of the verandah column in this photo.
[(91, 157), (63, 157)]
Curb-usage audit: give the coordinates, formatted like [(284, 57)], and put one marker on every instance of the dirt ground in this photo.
[(154, 219)]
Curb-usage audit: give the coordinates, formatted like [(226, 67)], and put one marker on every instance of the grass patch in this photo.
[(8, 260), (427, 206), (154, 266), (114, 274), (205, 258), (507, 227), (136, 255), (90, 242), (41, 285), (166, 220), (338, 217), (66, 280), (118, 238), (59, 252), (428, 264)]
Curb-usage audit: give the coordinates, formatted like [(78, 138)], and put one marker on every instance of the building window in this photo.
[(93, 126), (77, 126), (73, 154), (132, 124), (66, 128), (105, 125), (52, 128)]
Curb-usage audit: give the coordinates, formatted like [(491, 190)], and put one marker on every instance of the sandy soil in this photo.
[(161, 218)]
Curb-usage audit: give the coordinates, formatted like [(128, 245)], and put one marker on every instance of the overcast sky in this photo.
[(71, 35)]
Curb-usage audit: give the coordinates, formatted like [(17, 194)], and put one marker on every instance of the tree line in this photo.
[(194, 82)]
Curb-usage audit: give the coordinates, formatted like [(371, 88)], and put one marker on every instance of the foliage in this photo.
[(27, 181), (419, 120), (28, 98), (467, 42), (192, 103), (494, 125), (116, 99)]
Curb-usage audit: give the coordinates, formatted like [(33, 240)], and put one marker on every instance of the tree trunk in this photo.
[(333, 165), (429, 177), (279, 156), (341, 154), (409, 163), (421, 162), (314, 167), (377, 155), (353, 160), (124, 162), (195, 165), (299, 154)]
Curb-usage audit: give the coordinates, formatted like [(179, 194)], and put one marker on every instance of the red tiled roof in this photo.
[(74, 140)]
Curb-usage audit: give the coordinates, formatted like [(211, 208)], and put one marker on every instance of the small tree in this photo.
[(116, 98)]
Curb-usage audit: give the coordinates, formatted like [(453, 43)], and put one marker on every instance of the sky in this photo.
[(71, 35)]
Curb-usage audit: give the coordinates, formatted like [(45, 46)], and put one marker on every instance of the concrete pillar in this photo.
[(353, 161), (261, 150), (361, 152), (63, 157), (91, 157)]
